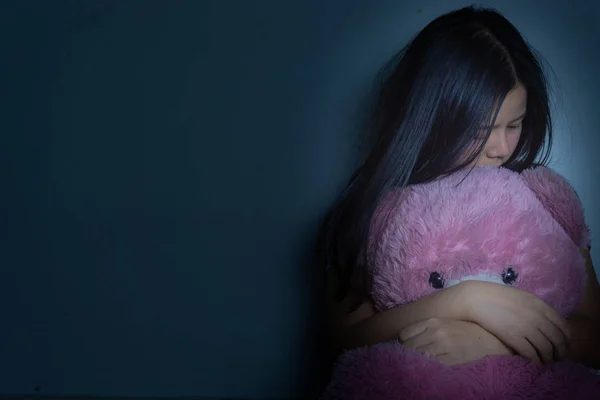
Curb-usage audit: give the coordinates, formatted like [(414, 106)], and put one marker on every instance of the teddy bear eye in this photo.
[(509, 276), (436, 280)]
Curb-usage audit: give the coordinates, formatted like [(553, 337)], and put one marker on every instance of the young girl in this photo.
[(467, 91)]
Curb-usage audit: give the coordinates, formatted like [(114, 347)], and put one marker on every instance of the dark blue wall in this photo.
[(158, 208)]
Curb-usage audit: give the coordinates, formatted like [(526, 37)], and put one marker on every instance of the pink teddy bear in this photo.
[(489, 224)]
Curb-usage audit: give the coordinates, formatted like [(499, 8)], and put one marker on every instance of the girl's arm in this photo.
[(520, 320), (354, 322)]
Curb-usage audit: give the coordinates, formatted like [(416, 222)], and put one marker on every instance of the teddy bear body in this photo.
[(491, 224)]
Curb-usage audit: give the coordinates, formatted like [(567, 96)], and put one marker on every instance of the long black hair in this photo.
[(433, 98)]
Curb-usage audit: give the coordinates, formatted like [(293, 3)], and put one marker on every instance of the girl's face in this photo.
[(506, 131)]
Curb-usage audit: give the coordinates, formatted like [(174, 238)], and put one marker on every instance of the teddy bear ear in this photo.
[(560, 199)]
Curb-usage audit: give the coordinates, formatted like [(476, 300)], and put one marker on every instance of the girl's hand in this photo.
[(521, 320), (451, 341)]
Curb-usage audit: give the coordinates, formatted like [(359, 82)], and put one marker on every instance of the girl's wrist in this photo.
[(460, 300)]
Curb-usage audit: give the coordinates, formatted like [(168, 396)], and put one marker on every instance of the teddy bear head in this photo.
[(488, 224)]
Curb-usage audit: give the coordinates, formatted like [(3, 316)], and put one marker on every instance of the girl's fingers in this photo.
[(543, 346), (560, 323), (413, 330), (558, 340), (418, 341), (525, 349)]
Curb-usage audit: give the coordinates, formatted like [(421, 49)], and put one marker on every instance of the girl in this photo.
[(467, 91)]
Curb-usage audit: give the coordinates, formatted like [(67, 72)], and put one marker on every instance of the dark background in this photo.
[(165, 166)]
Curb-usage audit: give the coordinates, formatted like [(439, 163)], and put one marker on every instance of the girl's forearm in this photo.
[(386, 325)]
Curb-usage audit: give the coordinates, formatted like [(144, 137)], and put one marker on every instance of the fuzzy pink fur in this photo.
[(559, 198), (472, 225)]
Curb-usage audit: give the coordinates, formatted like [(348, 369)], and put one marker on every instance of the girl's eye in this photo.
[(514, 127)]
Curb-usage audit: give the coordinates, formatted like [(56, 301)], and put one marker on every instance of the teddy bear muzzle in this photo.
[(507, 277)]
